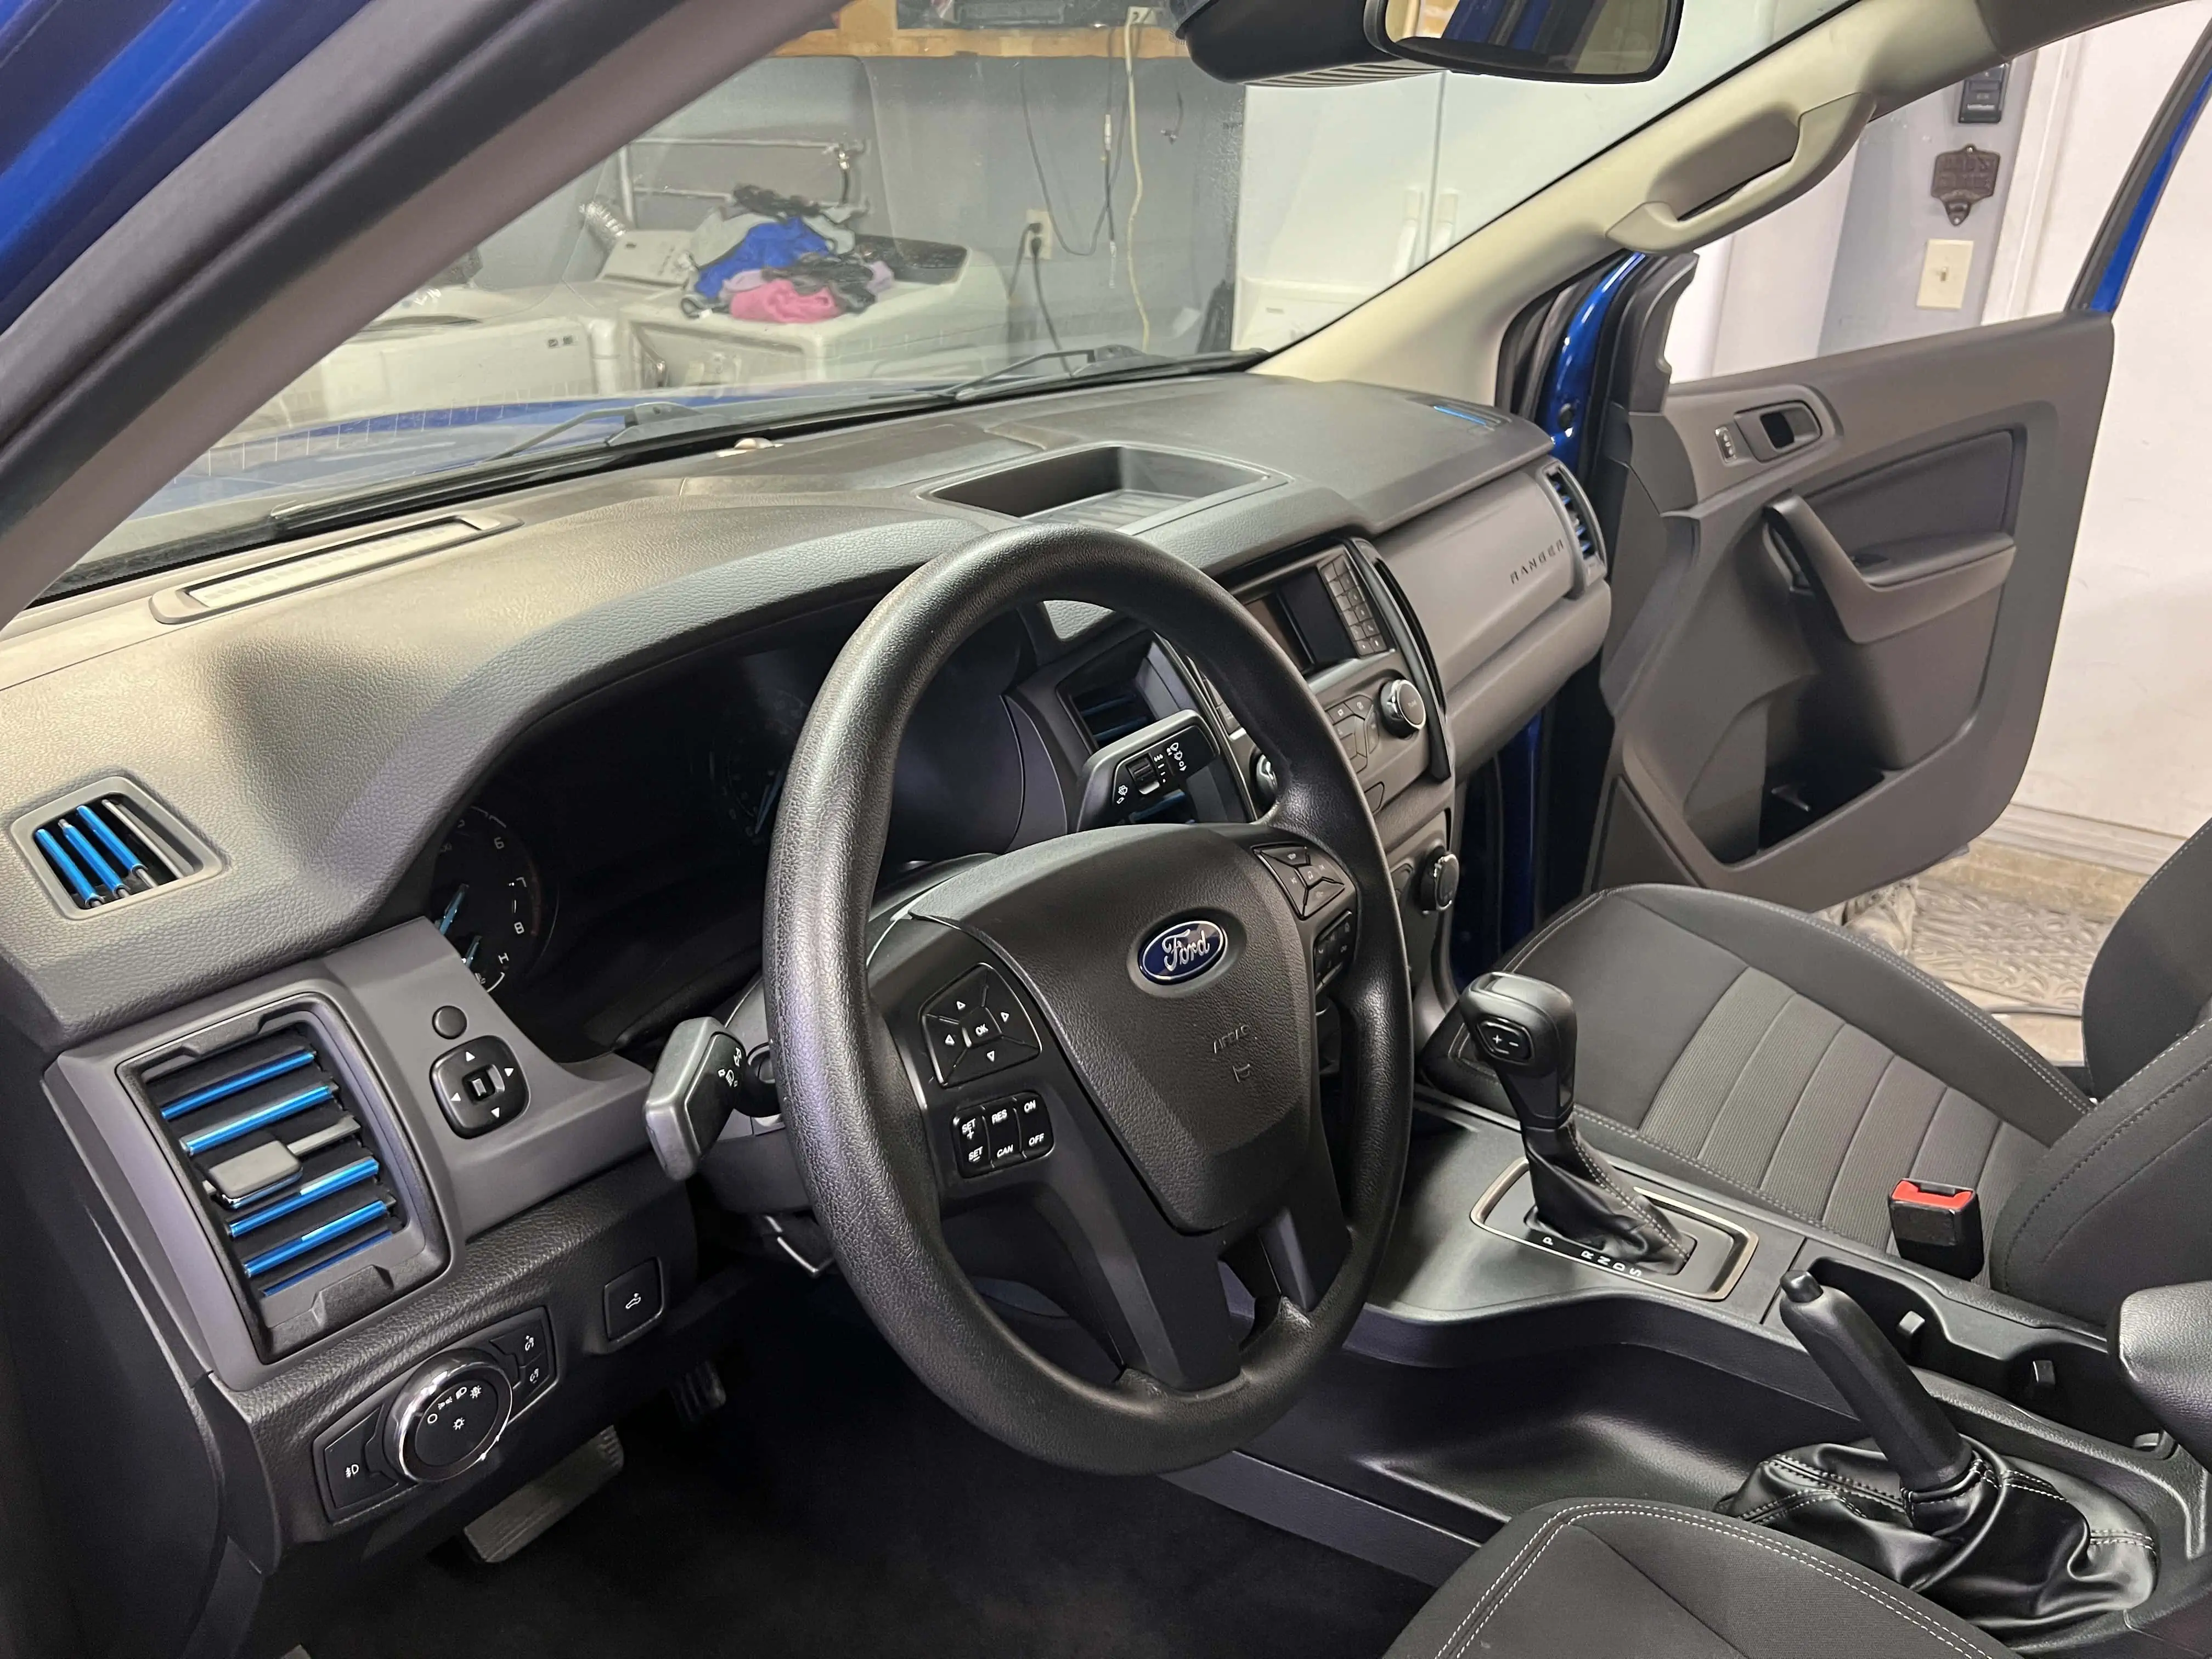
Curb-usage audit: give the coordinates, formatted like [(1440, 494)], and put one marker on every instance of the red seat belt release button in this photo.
[(1937, 1226)]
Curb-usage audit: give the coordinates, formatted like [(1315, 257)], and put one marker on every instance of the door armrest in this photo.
[(1917, 582)]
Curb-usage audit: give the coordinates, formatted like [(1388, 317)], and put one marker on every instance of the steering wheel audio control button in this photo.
[(1306, 879), (975, 1028)]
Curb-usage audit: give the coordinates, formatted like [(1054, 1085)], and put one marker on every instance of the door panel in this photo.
[(1855, 573)]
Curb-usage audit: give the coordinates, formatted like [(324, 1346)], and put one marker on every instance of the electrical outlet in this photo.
[(1037, 229)]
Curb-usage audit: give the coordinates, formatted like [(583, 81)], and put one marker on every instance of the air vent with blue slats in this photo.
[(109, 843), (282, 1160), (1577, 513)]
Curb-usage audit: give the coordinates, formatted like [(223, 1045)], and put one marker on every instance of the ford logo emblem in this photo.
[(1183, 952)]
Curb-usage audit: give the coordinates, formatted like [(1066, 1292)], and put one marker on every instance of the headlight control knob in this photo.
[(449, 1414), (1405, 711)]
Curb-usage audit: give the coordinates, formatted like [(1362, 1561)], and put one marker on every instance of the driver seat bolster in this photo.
[(1757, 1050), (1620, 1576)]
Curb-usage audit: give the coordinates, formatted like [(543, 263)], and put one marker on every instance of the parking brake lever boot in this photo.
[(1526, 1030), (2022, 1551)]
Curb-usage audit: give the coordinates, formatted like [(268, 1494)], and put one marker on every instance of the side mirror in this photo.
[(1595, 40)]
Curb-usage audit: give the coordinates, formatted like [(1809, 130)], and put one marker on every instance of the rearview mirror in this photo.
[(1530, 40)]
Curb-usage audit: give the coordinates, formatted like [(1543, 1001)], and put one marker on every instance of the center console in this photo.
[(1514, 1352)]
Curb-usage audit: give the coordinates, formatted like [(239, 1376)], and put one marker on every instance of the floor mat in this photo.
[(835, 1507)]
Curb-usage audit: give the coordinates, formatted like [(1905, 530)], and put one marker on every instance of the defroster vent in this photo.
[(1575, 508), (294, 1172)]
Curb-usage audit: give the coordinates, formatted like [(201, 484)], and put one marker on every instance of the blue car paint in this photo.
[(2113, 281), (131, 116), (1567, 387)]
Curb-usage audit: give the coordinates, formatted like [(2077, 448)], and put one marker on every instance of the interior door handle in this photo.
[(1873, 604), (1825, 136)]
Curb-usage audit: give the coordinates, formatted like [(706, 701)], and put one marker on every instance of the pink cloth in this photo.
[(778, 302)]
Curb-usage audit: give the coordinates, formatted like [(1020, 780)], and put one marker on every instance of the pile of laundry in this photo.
[(774, 258)]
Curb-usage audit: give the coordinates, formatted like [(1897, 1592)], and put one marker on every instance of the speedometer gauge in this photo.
[(486, 898)]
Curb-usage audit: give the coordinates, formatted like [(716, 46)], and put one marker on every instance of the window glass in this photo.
[(1975, 205), (901, 204)]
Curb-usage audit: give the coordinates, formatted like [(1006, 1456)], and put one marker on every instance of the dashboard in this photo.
[(451, 822)]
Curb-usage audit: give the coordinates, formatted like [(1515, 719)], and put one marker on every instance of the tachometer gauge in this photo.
[(486, 900)]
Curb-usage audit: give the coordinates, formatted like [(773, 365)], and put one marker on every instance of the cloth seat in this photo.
[(1764, 1052), (1603, 1578)]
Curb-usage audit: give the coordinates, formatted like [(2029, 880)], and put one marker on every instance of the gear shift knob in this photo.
[(1526, 1030)]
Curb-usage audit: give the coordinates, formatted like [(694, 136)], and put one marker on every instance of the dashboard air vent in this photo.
[(1111, 711), (1577, 513), (107, 849), (290, 1169)]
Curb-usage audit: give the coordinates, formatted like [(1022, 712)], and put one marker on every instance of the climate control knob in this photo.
[(449, 1414), (1405, 711)]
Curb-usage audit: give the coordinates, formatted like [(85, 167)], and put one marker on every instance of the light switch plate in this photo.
[(1943, 272)]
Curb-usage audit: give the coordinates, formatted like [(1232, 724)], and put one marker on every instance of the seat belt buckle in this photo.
[(1937, 1226)]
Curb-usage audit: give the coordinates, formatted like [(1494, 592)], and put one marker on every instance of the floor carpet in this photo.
[(835, 1507)]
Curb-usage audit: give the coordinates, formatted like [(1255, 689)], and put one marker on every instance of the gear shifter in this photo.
[(1526, 1030), (2024, 1551)]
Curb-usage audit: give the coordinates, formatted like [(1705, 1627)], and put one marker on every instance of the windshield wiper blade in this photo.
[(961, 391), (464, 482), (633, 415), (1098, 363)]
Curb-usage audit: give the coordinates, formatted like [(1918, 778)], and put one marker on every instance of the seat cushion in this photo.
[(1605, 1578), (1764, 1052)]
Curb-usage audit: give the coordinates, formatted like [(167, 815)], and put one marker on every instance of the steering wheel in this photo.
[(1112, 1033)]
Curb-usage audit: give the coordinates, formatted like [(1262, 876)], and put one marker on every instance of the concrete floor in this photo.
[(2012, 930)]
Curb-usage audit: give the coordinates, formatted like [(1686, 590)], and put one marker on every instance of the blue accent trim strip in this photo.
[(2112, 282), (1467, 415), (244, 1080), (275, 1112), (102, 872), (65, 866), (1566, 410), (314, 1238), (350, 1175), (125, 860), (287, 1284)]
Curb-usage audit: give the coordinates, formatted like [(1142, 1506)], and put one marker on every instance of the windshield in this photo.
[(918, 203)]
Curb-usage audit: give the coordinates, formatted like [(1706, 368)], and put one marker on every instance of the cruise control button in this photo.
[(1034, 1125), (971, 1147), (1003, 1132)]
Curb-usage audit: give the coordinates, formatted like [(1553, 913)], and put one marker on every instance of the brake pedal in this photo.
[(520, 1519), (698, 1393)]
